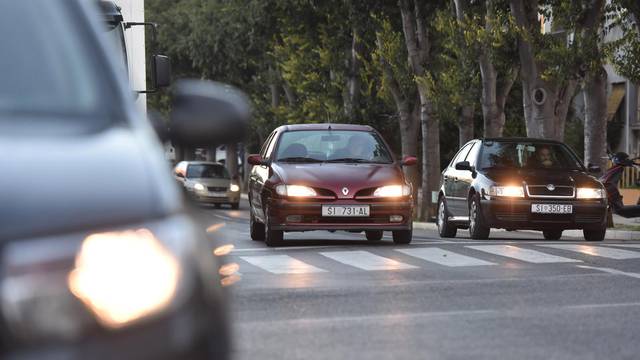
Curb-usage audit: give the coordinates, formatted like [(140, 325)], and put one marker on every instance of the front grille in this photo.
[(217, 188), (541, 191), (345, 220)]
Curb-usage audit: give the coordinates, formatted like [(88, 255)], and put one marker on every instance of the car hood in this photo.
[(336, 176), (209, 181), (53, 185), (542, 177)]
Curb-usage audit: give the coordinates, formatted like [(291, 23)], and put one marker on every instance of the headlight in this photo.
[(234, 187), (392, 191), (295, 190), (506, 191), (124, 276), (590, 193), (199, 187)]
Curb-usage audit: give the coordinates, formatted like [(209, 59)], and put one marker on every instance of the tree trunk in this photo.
[(595, 123), (232, 160), (291, 96), (465, 124), (430, 159), (409, 142), (352, 96)]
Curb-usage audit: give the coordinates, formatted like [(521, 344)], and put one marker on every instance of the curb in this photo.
[(612, 234)]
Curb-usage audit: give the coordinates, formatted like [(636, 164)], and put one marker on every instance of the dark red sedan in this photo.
[(328, 177)]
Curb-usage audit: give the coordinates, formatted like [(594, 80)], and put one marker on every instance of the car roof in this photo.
[(521, 139), (325, 126)]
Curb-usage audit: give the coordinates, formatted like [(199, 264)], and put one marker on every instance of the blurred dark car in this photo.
[(98, 257), (515, 184), (328, 177)]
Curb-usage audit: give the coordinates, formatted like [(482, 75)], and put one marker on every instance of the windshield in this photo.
[(48, 68), (115, 38), (207, 171), (527, 155), (332, 146)]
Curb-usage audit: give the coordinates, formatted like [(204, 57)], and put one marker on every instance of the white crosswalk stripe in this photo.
[(444, 257), (526, 255), (600, 251), (366, 261), (281, 264)]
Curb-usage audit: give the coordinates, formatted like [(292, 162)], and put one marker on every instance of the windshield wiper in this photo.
[(300, 159), (349, 160)]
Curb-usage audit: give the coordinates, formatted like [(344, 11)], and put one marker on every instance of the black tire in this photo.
[(595, 234), (373, 235), (402, 236), (552, 234), (256, 228), (272, 237), (477, 228), (235, 206), (445, 228)]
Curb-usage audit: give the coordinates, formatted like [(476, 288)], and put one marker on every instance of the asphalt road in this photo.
[(516, 296)]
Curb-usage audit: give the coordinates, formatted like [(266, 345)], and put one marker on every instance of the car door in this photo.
[(456, 204), (259, 175), (465, 178)]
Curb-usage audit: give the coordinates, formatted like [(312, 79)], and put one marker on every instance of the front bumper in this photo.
[(516, 214), (310, 215), (228, 197)]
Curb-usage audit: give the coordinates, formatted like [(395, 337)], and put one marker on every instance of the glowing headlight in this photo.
[(199, 187), (295, 190), (392, 191), (506, 191), (590, 193), (234, 187), (124, 276)]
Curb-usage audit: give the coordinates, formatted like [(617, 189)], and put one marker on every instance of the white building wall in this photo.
[(133, 11)]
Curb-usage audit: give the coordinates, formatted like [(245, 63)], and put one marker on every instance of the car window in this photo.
[(460, 155), (472, 157), (198, 171), (332, 145), (49, 67), (265, 146), (527, 155), (272, 144)]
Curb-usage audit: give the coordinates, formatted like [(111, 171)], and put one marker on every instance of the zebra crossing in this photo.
[(325, 259)]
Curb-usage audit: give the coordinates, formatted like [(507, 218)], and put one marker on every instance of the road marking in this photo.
[(605, 252), (611, 271), (366, 261), (281, 264), (633, 246), (443, 257), (526, 255)]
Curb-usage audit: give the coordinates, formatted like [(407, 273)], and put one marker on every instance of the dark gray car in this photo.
[(98, 256)]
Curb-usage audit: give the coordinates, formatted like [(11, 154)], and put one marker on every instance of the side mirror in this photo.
[(594, 169), (256, 159), (409, 161), (464, 165), (206, 113), (180, 175), (161, 71)]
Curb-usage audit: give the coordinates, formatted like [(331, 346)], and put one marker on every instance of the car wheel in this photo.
[(256, 229), (445, 228), (271, 237), (402, 236), (594, 234), (477, 228), (552, 234), (235, 206), (373, 235)]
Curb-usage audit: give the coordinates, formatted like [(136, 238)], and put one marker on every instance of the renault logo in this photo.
[(345, 191), (551, 187)]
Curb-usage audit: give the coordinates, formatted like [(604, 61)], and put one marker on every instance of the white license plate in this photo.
[(551, 208), (217, 194), (345, 210)]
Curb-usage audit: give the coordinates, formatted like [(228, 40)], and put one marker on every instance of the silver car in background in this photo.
[(208, 182)]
